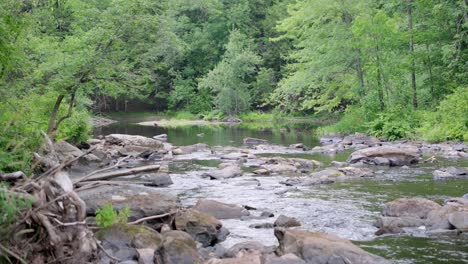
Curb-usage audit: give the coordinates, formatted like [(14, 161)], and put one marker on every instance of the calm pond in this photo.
[(347, 209)]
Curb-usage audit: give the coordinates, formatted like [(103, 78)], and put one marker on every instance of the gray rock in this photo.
[(267, 214), (202, 227), (191, 149), (177, 248), (459, 220), (225, 172), (158, 179), (145, 256), (120, 241), (231, 119), (397, 224), (132, 140), (415, 207), (220, 210), (396, 156), (142, 201), (161, 137), (285, 221), (450, 173), (318, 248)]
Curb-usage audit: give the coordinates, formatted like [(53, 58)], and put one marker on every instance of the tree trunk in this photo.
[(53, 115), (411, 47)]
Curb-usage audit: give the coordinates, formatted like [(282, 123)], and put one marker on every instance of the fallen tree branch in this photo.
[(105, 252), (14, 176), (118, 173), (151, 218), (11, 253), (99, 171)]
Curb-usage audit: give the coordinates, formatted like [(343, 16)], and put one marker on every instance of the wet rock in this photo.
[(439, 218), (338, 164), (415, 207), (220, 210), (331, 175), (262, 225), (397, 224), (318, 248), (202, 227), (267, 214), (297, 146), (386, 155), (285, 165), (191, 149), (142, 201), (331, 139), (177, 248), (162, 137), (222, 234), (459, 220), (234, 156), (225, 171), (285, 259), (450, 173), (286, 221), (254, 141), (231, 119)]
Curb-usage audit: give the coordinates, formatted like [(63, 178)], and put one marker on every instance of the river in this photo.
[(347, 209)]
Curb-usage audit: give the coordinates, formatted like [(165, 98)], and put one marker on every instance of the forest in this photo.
[(394, 69)]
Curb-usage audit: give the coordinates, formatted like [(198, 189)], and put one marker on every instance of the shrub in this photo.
[(10, 207), (107, 216)]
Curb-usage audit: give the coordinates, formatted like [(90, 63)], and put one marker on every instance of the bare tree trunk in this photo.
[(53, 115), (411, 47)]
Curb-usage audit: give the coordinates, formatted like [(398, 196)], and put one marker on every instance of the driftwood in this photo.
[(12, 177), (119, 173)]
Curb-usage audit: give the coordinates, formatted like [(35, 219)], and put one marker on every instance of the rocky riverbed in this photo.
[(242, 204)]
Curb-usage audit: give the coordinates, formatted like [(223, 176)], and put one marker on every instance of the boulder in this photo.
[(132, 140), (157, 179), (286, 221), (386, 155), (261, 172), (319, 248), (220, 210), (177, 248), (225, 171), (397, 224), (122, 241), (415, 207), (459, 220), (202, 227), (142, 201), (254, 141)]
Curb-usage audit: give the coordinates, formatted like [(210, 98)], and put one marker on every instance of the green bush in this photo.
[(450, 121), (394, 123), (107, 216), (10, 207), (23, 119)]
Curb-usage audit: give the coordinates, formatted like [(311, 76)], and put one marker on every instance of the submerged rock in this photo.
[(319, 248), (220, 210), (254, 141), (386, 155)]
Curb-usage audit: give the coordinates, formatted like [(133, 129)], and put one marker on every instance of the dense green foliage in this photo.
[(107, 216), (10, 207), (391, 68)]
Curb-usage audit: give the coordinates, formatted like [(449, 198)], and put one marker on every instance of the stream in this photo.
[(347, 209)]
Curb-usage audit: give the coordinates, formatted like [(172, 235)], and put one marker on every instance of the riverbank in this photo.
[(318, 192)]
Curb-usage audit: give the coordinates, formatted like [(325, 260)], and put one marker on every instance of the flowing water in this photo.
[(347, 209)]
